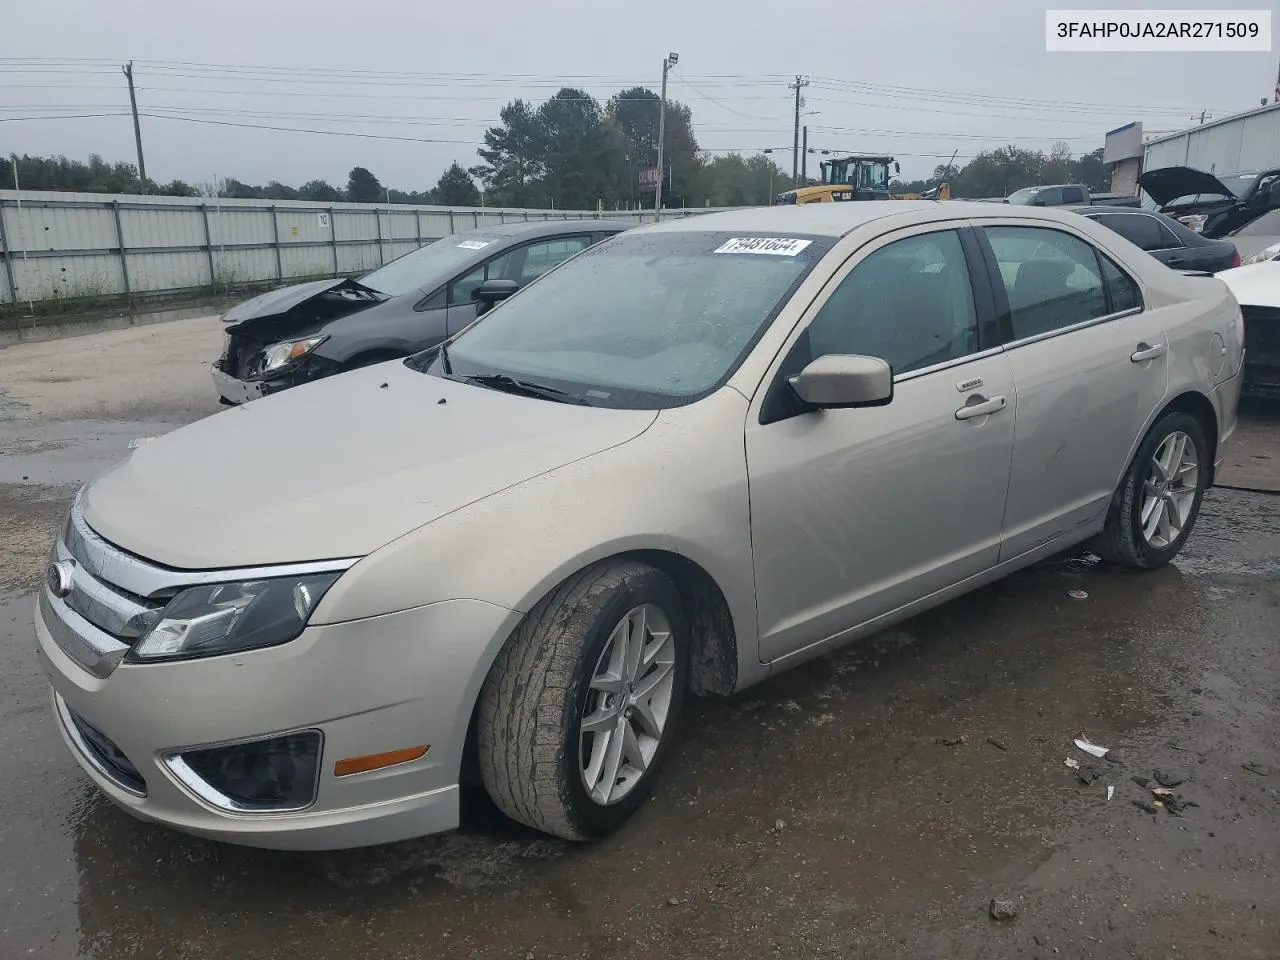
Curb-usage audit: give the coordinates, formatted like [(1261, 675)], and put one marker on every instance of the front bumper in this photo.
[(234, 391), (368, 686)]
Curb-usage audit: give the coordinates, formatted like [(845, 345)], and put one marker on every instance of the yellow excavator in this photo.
[(857, 177)]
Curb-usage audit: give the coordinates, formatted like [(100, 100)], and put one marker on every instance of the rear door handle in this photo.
[(981, 407), (1174, 262), (1147, 352)]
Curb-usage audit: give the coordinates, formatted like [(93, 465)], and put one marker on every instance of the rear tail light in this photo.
[(1235, 259)]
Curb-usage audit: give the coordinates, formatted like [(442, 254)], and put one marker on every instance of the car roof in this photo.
[(1105, 208), (839, 219), (537, 228)]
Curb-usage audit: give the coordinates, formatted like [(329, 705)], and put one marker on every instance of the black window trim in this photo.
[(1002, 297)]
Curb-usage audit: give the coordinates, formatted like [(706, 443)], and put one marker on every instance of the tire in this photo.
[(532, 750), (1123, 539)]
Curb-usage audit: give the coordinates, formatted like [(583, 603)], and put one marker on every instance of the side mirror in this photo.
[(492, 291), (837, 381)]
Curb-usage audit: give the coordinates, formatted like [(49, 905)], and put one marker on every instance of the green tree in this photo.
[(513, 155), (456, 188), (363, 186), (581, 153), (636, 111), (177, 188), (1092, 172), (319, 190), (735, 181), (275, 190)]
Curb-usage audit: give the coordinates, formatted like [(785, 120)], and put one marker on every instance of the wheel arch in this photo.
[(713, 656), (1195, 404)]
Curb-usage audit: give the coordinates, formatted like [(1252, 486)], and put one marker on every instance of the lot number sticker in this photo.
[(771, 246), (474, 244)]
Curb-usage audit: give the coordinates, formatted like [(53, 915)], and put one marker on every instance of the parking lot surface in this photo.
[(871, 803)]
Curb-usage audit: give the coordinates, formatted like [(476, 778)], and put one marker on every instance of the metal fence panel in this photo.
[(65, 245)]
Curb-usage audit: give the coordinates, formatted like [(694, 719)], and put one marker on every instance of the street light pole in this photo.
[(669, 61)]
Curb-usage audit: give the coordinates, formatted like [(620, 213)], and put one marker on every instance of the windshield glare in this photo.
[(426, 266), (646, 320)]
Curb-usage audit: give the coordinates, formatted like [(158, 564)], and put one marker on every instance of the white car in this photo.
[(1257, 288), (686, 459)]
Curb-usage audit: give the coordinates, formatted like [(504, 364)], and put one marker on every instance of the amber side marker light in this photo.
[(376, 761)]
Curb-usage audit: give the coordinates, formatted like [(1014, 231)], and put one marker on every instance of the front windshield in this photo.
[(647, 320), (428, 265), (1023, 196)]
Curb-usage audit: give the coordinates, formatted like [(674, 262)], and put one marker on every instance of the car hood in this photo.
[(1169, 183), (337, 468), (291, 311), (1257, 285), (1248, 246)]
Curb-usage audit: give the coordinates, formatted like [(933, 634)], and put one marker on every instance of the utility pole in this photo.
[(137, 130), (800, 84), (669, 61), (804, 156)]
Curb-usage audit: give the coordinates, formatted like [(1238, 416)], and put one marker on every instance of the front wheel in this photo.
[(577, 713), (1159, 499)]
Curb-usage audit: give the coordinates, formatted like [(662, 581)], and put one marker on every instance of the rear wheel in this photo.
[(1159, 499), (577, 713)]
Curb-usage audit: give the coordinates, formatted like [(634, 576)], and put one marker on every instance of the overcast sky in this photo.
[(978, 76)]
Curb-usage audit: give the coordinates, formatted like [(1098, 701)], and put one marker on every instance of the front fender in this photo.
[(680, 487)]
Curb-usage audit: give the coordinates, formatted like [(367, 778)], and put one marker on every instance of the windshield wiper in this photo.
[(509, 384)]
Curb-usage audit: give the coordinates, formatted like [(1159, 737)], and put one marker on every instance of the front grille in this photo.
[(116, 611), (110, 758)]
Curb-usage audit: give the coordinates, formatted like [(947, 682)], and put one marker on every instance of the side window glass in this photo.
[(1124, 292), (1051, 197), (463, 290), (909, 303), (1072, 195), (541, 257), (1168, 239), (1051, 279), (1141, 231)]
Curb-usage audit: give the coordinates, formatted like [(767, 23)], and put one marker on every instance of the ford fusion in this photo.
[(680, 462)]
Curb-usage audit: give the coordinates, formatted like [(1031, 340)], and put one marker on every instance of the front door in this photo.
[(1090, 365), (857, 512)]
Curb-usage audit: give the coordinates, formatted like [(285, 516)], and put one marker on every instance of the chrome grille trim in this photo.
[(116, 613), (97, 652)]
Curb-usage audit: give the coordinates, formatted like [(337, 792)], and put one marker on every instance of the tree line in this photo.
[(999, 172), (574, 152)]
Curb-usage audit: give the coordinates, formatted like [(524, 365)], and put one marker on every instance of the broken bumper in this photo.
[(234, 391)]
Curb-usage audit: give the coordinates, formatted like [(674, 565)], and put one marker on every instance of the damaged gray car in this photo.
[(313, 330)]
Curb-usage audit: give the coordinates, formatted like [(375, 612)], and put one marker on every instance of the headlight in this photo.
[(1270, 253), (278, 354), (222, 618), (1193, 221)]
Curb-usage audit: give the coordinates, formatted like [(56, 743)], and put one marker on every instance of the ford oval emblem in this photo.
[(60, 577)]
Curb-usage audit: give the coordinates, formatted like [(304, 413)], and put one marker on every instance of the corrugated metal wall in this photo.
[(1250, 141), (67, 245)]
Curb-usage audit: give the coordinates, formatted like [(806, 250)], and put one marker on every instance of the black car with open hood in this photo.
[(1210, 205), (307, 331)]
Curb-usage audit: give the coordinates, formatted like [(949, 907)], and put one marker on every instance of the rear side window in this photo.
[(1052, 279), (909, 303), (1123, 291), (1145, 232), (541, 257), (1072, 195)]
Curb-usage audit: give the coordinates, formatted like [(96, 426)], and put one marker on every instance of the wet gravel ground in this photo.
[(867, 804)]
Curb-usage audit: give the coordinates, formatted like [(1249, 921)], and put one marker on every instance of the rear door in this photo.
[(1090, 365)]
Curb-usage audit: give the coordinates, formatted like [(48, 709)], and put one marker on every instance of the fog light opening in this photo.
[(272, 775)]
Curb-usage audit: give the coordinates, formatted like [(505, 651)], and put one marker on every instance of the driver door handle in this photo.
[(1146, 352), (981, 407)]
